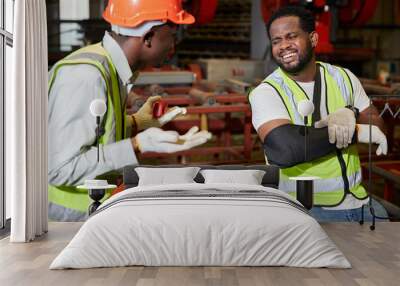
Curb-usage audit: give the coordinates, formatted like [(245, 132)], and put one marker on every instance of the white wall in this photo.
[(9, 9), (72, 10)]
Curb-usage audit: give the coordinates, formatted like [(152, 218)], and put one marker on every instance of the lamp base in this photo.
[(305, 193), (96, 195)]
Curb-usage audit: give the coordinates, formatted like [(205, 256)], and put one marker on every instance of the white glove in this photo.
[(193, 134), (171, 114), (377, 137), (160, 141), (341, 125)]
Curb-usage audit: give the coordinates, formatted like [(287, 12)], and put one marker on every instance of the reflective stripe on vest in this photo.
[(70, 197), (329, 190), (326, 185)]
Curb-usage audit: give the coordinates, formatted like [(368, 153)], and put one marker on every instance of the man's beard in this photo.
[(304, 59)]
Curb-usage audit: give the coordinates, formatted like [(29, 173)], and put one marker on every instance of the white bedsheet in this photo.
[(200, 231)]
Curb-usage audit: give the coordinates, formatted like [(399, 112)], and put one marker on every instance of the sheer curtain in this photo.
[(26, 121)]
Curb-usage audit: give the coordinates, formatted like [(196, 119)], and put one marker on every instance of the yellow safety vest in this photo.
[(70, 197), (340, 172)]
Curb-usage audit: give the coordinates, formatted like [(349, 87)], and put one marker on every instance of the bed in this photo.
[(201, 222)]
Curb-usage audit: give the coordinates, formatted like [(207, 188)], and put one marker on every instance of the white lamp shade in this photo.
[(305, 107), (98, 107)]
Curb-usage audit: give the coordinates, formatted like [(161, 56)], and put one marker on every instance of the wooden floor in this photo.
[(374, 255)]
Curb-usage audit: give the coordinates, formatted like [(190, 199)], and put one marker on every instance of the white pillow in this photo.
[(163, 176), (248, 177)]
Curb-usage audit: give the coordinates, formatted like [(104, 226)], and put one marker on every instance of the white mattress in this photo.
[(190, 230)]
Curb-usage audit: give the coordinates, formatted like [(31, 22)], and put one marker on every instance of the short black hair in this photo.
[(307, 20)]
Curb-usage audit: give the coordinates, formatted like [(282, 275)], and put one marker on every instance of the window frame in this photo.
[(6, 39)]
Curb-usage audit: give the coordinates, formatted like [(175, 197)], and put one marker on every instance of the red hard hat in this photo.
[(132, 13)]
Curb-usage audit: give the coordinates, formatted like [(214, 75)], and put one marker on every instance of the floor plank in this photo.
[(374, 255)]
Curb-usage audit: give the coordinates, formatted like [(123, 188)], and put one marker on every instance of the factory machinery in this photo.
[(225, 113)]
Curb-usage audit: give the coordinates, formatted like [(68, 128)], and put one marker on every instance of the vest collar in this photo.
[(119, 59)]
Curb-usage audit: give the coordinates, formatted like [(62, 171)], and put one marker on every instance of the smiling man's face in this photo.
[(292, 47)]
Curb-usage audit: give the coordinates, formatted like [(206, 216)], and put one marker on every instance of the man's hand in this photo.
[(341, 125), (144, 116), (377, 137), (160, 141)]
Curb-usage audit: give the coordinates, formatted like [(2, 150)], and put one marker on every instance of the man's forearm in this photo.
[(285, 145), (364, 118)]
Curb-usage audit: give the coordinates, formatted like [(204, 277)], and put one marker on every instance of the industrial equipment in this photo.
[(328, 14)]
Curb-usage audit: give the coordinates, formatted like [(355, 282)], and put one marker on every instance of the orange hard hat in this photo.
[(132, 13)]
